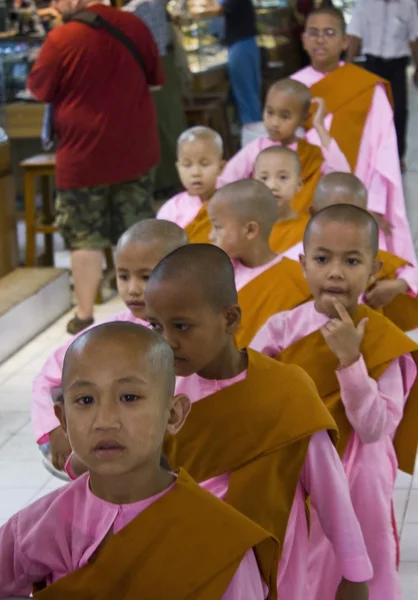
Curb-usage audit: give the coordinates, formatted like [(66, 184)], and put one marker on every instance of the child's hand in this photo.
[(320, 113), (383, 292), (343, 337), (384, 225), (60, 448), (348, 590)]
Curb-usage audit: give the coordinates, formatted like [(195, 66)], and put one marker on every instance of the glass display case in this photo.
[(17, 56)]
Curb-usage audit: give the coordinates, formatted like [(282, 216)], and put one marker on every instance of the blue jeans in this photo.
[(244, 66)]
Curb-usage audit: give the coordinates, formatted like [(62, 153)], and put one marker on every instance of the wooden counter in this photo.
[(8, 236)]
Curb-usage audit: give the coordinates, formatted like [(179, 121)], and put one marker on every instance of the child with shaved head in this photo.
[(244, 217), (396, 283), (364, 368), (280, 169), (199, 163), (257, 435), (139, 249), (128, 528), (287, 106)]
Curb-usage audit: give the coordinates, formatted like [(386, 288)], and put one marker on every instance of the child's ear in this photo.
[(179, 410), (60, 414), (300, 184), (311, 211), (377, 266), (302, 260), (221, 166), (252, 230), (346, 41), (233, 318)]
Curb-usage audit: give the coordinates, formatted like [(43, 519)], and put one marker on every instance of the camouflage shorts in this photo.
[(95, 217)]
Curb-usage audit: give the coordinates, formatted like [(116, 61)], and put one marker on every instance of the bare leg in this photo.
[(86, 266)]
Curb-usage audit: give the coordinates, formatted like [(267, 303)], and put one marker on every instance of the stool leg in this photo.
[(48, 216), (30, 213)]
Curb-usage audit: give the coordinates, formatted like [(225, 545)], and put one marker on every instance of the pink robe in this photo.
[(374, 409), (50, 378), (59, 534), (244, 275), (377, 166), (323, 478), (241, 166), (181, 209), (408, 273)]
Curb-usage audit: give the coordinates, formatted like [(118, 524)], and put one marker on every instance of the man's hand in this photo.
[(384, 225), (383, 292), (349, 590), (60, 448), (343, 338)]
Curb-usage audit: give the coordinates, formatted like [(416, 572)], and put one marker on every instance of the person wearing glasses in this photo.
[(386, 31), (360, 119)]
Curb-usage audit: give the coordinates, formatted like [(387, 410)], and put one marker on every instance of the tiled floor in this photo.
[(23, 478)]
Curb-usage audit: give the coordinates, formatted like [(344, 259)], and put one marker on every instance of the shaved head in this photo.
[(200, 267), (159, 231), (130, 336), (345, 213), (340, 188), (293, 88), (204, 134), (280, 151), (248, 200), (331, 11)]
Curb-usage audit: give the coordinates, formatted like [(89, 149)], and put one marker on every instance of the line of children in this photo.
[(199, 163), (396, 285), (243, 215), (287, 107), (256, 435), (360, 119), (280, 169), (130, 529), (365, 374), (138, 251)]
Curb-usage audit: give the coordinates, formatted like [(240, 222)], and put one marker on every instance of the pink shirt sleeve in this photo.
[(241, 165), (324, 479), (375, 409), (168, 211), (247, 581), (334, 159), (410, 275), (267, 338)]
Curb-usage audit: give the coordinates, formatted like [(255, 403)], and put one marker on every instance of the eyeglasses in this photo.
[(328, 33)]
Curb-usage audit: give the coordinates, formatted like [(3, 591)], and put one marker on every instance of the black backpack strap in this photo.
[(93, 19)]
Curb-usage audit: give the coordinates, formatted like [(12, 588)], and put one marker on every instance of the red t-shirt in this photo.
[(104, 114)]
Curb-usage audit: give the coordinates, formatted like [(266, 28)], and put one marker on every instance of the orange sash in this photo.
[(348, 93), (286, 234), (185, 546), (281, 287), (382, 343), (199, 229), (312, 159), (258, 430)]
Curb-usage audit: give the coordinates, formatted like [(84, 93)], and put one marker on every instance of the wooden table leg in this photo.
[(30, 213), (48, 218)]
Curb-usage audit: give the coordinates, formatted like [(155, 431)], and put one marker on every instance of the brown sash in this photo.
[(281, 287), (382, 343), (199, 229), (286, 234), (312, 160), (348, 93), (258, 430), (185, 546)]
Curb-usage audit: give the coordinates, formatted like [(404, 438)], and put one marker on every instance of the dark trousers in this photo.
[(394, 70)]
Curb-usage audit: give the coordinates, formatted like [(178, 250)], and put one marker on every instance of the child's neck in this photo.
[(131, 487), (331, 312), (328, 68), (228, 364), (285, 143), (205, 198), (258, 255), (287, 214)]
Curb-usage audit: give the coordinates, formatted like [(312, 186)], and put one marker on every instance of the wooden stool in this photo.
[(43, 166), (210, 110)]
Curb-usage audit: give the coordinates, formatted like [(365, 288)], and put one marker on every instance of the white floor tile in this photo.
[(412, 509), (400, 500), (13, 500), (409, 543), (12, 421), (21, 447), (16, 401), (403, 481), (409, 580), (23, 474)]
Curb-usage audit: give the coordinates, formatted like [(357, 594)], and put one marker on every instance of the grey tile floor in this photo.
[(23, 478)]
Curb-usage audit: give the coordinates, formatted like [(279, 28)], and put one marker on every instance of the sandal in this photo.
[(75, 325)]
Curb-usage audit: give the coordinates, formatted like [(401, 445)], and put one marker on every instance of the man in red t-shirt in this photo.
[(107, 132)]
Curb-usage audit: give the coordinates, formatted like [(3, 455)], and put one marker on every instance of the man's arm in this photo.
[(355, 31), (44, 78), (354, 47)]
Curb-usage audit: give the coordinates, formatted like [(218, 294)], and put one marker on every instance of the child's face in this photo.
[(196, 333), (228, 233), (324, 40), (117, 409), (280, 175), (134, 263), (338, 263), (199, 166), (283, 114)]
